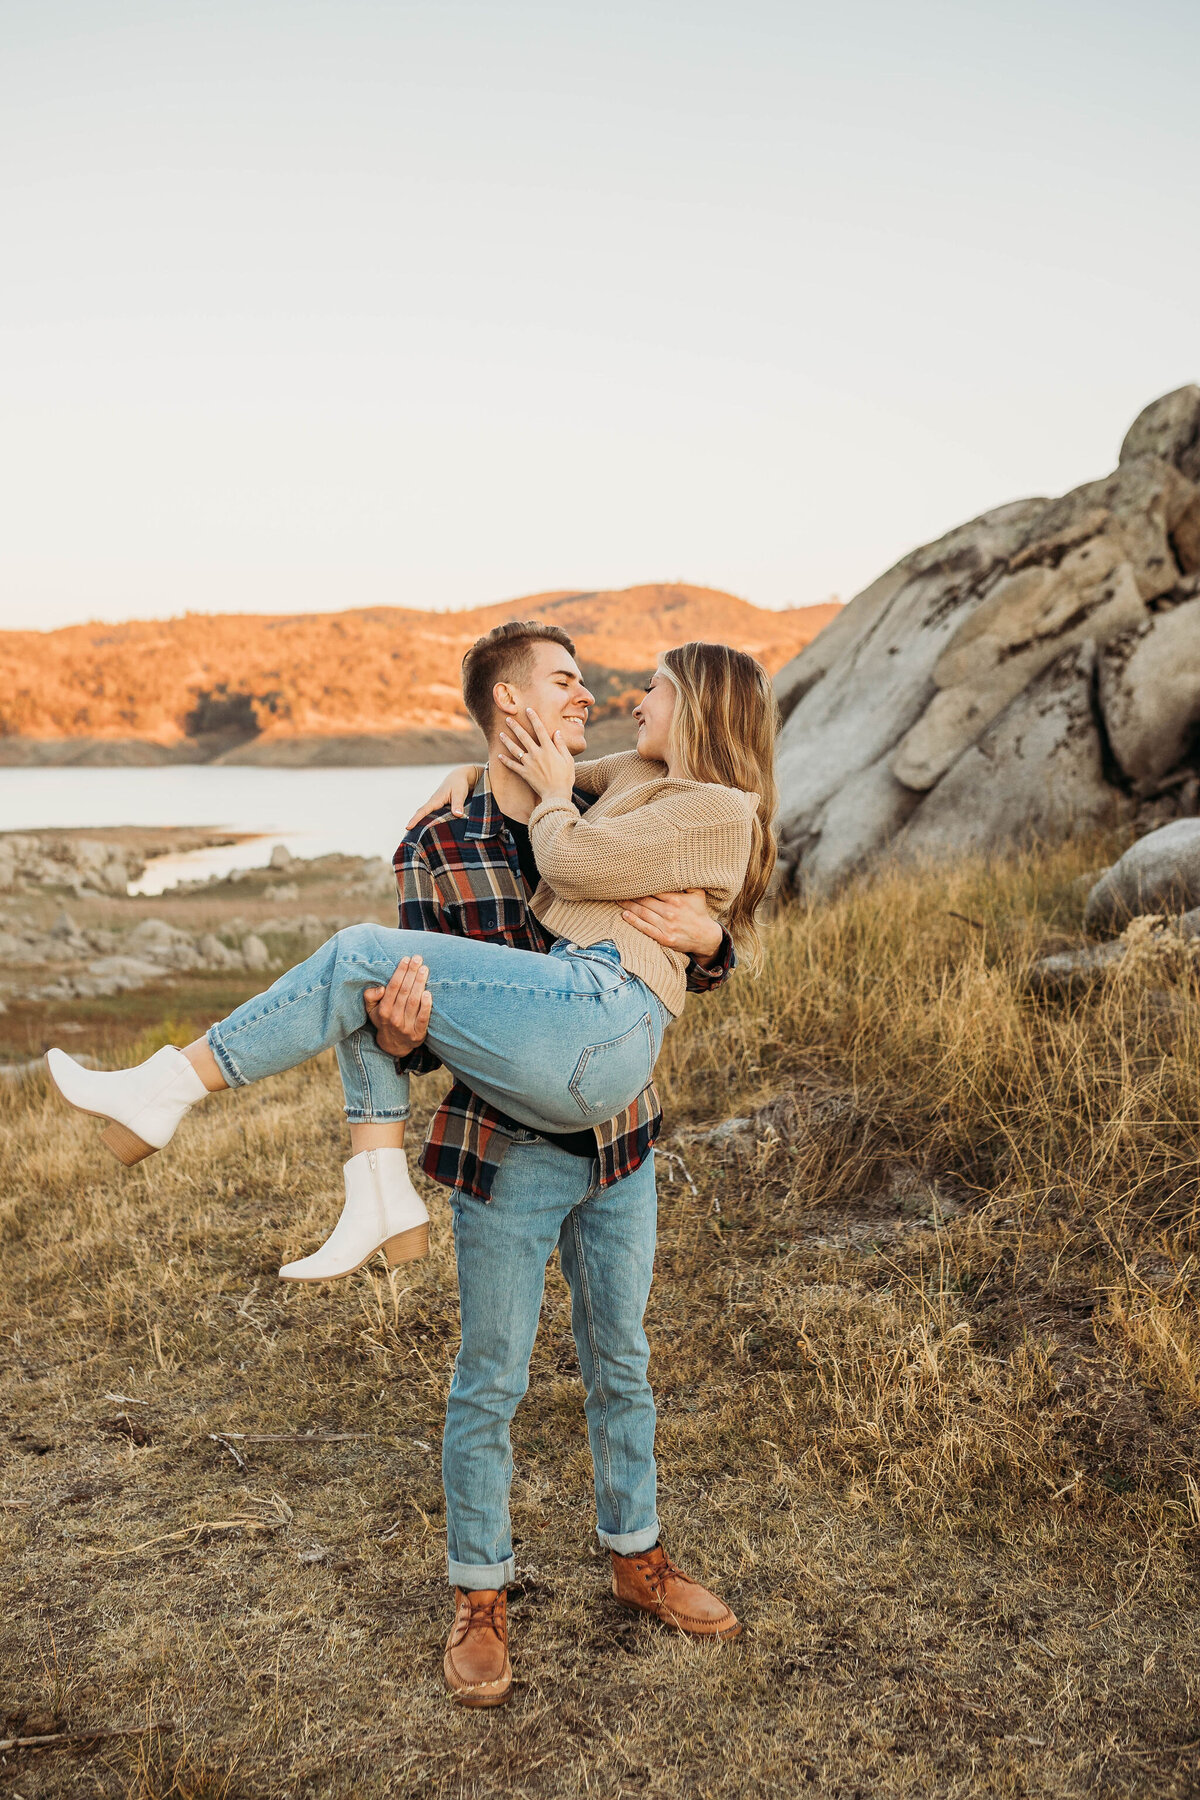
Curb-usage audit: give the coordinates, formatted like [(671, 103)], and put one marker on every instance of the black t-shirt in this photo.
[(575, 1143), (528, 861)]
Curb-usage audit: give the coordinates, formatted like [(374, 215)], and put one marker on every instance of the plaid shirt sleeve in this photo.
[(703, 979), (420, 910)]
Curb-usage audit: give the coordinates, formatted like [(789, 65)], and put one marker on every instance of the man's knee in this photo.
[(620, 1372), (488, 1394)]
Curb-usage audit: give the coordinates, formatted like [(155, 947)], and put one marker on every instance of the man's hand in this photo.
[(400, 1011), (680, 921)]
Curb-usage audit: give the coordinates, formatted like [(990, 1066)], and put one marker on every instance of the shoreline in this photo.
[(402, 749)]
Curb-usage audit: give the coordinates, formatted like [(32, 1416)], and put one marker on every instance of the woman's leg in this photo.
[(206, 1065), (365, 1134), (369, 1136), (556, 1041)]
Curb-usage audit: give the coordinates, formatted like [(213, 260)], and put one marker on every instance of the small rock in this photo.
[(1160, 873), (717, 1134), (255, 952), (64, 926), (64, 949), (166, 944), (1074, 971), (1150, 940), (283, 890), (280, 858), (218, 955), (110, 975)]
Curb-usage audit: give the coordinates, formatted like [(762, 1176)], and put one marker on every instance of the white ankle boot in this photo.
[(383, 1211), (145, 1104)]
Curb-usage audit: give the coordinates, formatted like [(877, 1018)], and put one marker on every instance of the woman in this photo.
[(558, 1041)]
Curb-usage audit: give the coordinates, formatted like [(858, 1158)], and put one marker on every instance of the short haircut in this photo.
[(505, 654)]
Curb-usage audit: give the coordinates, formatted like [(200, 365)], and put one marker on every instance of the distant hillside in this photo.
[(378, 684)]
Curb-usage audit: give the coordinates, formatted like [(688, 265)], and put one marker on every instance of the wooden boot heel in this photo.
[(407, 1246), (125, 1145)]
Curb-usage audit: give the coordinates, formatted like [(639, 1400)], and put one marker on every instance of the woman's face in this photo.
[(654, 713)]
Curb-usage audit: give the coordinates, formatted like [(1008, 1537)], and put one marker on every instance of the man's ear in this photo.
[(504, 698)]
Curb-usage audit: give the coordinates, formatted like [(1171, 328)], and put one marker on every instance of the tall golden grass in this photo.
[(927, 1351)]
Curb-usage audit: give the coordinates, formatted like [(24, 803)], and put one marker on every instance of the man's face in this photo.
[(554, 689)]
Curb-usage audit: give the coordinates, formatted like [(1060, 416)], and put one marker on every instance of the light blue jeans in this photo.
[(557, 1042), (544, 1197)]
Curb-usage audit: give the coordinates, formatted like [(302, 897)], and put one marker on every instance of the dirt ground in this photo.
[(926, 1349)]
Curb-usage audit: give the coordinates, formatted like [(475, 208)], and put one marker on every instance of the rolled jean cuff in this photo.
[(381, 1115), (481, 1575), (630, 1543), (229, 1069)]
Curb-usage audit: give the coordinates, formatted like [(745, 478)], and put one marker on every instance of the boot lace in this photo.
[(488, 1615), (656, 1568)]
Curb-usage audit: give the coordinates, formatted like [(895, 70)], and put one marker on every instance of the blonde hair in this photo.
[(723, 730)]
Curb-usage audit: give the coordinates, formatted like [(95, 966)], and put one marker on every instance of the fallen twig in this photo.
[(82, 1737), (975, 924), (174, 1537), (290, 1437)]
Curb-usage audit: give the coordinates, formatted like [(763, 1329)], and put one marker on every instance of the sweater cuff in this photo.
[(545, 808)]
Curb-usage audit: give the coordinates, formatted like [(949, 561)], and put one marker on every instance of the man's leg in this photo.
[(606, 1248), (501, 1249), (607, 1253)]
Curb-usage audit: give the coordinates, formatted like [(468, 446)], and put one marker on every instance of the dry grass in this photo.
[(928, 1362)]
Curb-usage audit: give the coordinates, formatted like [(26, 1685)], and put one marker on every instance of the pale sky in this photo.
[(438, 302)]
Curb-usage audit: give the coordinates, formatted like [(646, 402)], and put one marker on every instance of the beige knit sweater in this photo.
[(645, 834)]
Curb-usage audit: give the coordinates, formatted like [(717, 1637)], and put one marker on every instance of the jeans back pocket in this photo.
[(608, 1076)]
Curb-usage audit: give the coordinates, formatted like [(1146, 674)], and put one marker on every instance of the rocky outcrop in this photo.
[(82, 865), (47, 957), (67, 963), (1037, 771), (1150, 694), (1033, 671)]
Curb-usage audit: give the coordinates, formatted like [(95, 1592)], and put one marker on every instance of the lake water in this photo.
[(359, 812)]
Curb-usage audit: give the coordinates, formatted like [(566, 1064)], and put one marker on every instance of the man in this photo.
[(515, 1195)]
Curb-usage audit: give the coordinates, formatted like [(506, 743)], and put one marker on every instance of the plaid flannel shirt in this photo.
[(462, 876)]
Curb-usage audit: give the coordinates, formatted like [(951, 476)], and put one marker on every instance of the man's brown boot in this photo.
[(478, 1672), (651, 1583)]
